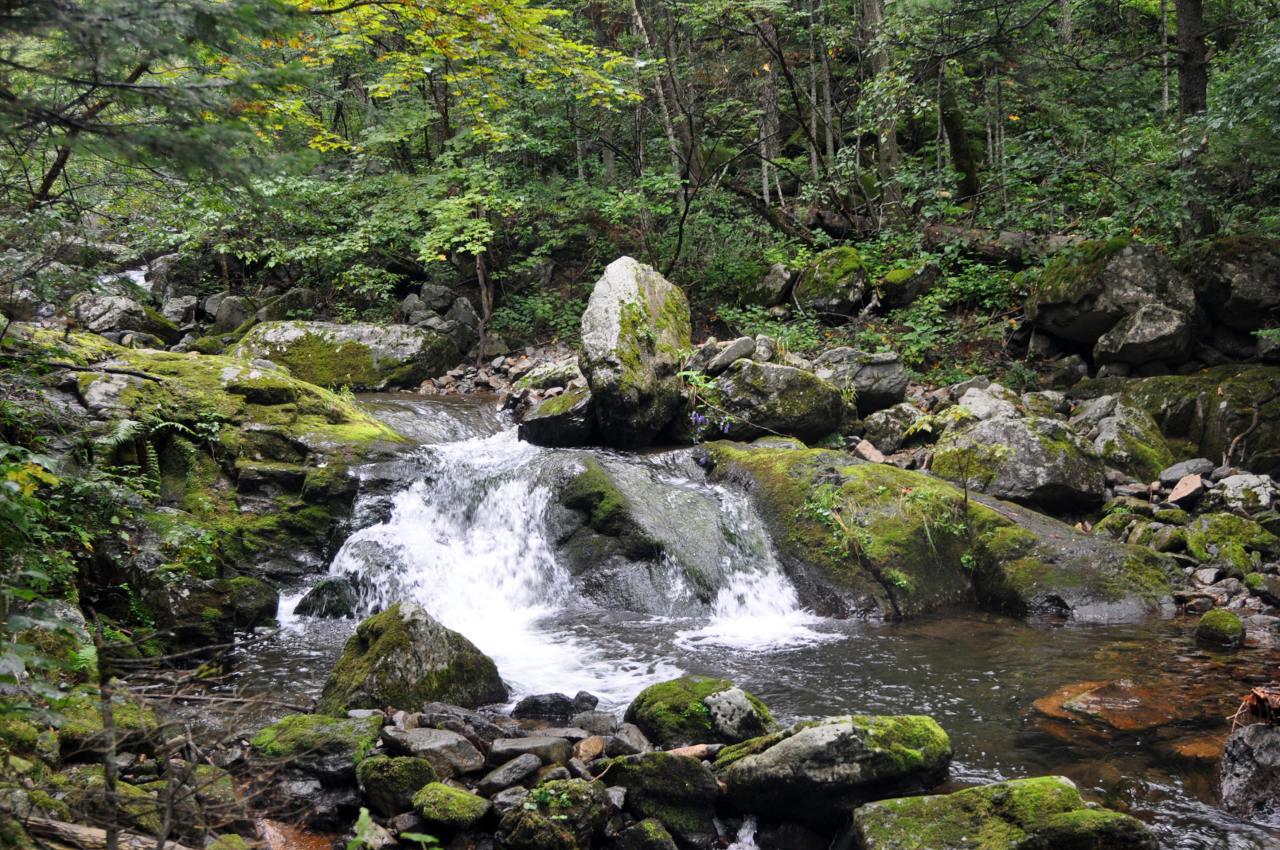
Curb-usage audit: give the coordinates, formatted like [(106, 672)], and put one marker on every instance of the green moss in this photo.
[(1066, 278), (79, 724), (208, 345), (1254, 581), (558, 405), (315, 733), (833, 273), (228, 842), (448, 806), (593, 491), (675, 713), (1229, 540), (1220, 627), (390, 783)]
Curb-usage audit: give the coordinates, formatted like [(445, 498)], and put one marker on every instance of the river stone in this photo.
[(555, 707), (1083, 294), (596, 722), (627, 740), (1171, 475), (403, 657), (1154, 332), (736, 717), (358, 356), (1035, 461), (449, 753), (390, 782), (877, 380), (647, 834), (817, 772), (1126, 437), (104, 313), (833, 285), (679, 791), (1044, 813), (232, 312), (760, 399), (325, 748), (634, 332), (548, 750), (1251, 774), (698, 710), (514, 772), (567, 419), (445, 806), (743, 346), (332, 596)]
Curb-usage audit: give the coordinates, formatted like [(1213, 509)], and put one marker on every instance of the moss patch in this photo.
[(1221, 628), (300, 734), (675, 713), (444, 805), (1066, 279), (1229, 540)]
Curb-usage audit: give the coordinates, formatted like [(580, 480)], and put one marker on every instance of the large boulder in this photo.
[(817, 772), (359, 356), (635, 331), (1154, 332), (1238, 280), (1086, 292), (833, 285), (567, 419), (871, 540), (698, 710), (566, 814), (875, 381), (391, 781), (1045, 813), (403, 657), (770, 290), (103, 313), (751, 399), (679, 791), (1251, 773), (1124, 436)]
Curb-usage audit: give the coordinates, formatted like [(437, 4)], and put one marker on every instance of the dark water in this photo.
[(977, 675)]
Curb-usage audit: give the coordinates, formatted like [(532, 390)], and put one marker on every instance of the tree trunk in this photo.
[(891, 199), (1193, 99), (659, 90), (770, 123)]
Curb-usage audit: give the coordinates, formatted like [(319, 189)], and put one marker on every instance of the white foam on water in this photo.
[(757, 611)]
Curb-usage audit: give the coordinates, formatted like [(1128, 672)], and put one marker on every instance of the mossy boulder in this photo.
[(1237, 278), (103, 313), (1045, 813), (834, 284), (80, 728), (751, 399), (567, 419), (817, 772), (327, 748), (678, 791), (253, 602), (568, 814), (131, 806), (872, 540), (1220, 628), (1231, 541), (445, 806), (359, 356), (698, 710), (403, 657), (1126, 437), (635, 332), (332, 596), (390, 782), (646, 834)]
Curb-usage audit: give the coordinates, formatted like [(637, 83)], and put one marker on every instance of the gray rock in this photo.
[(627, 740), (878, 381), (989, 402), (595, 722), (901, 291), (770, 290), (1247, 492), (1195, 466), (743, 346), (1250, 784), (888, 430), (470, 724), (509, 800), (330, 597), (633, 332), (463, 313), (1236, 279), (678, 790), (437, 298), (1153, 332), (555, 707), (102, 313), (759, 399), (548, 750), (766, 348), (449, 753), (297, 301), (567, 419), (181, 309), (209, 306), (233, 311), (514, 772), (733, 717)]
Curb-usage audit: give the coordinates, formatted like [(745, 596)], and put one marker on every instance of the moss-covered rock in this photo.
[(1235, 278), (565, 814), (688, 711), (1231, 541), (131, 806), (751, 399), (80, 727), (359, 356), (390, 782), (446, 806), (1221, 628), (567, 419), (635, 332), (646, 834), (833, 284), (816, 772), (317, 745), (402, 657), (1044, 813), (678, 791), (862, 539), (253, 602)]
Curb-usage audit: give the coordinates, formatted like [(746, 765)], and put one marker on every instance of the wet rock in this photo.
[(548, 750), (566, 814), (647, 834), (449, 753), (1251, 773), (1220, 628), (566, 419), (1119, 706), (330, 597), (442, 805), (627, 740), (513, 772), (402, 656), (698, 710), (678, 791), (817, 772), (555, 707), (1045, 813), (633, 332), (509, 800), (596, 722), (475, 727)]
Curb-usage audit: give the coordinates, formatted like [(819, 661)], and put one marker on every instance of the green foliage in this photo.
[(799, 335), (540, 314)]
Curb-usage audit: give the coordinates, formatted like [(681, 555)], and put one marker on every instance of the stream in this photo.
[(466, 536)]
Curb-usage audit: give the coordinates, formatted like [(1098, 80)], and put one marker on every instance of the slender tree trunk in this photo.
[(814, 169), (1164, 55), (659, 90), (828, 106), (1193, 100), (891, 199), (770, 122)]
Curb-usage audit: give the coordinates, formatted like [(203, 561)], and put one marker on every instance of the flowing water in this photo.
[(466, 536)]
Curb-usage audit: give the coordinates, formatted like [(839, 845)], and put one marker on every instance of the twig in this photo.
[(71, 367), (242, 700)]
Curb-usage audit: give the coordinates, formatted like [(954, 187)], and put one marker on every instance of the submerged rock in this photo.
[(698, 710), (404, 657), (634, 331), (817, 772), (1045, 813), (1251, 773)]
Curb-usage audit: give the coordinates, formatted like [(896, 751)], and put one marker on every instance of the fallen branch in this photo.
[(92, 838), (306, 709), (71, 367)]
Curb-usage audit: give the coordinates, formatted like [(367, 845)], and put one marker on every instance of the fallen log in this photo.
[(1016, 247), (92, 838)]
